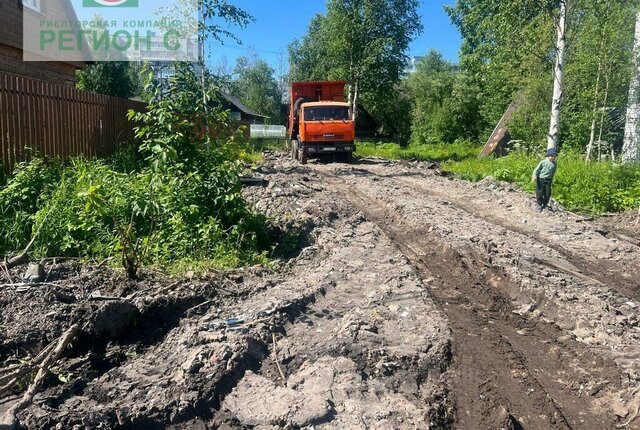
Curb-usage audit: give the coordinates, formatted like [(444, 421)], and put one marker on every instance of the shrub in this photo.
[(178, 199)]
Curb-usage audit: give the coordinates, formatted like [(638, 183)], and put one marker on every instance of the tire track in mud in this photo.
[(368, 352), (594, 269), (508, 371)]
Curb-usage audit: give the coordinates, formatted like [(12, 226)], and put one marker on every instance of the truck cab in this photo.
[(322, 127)]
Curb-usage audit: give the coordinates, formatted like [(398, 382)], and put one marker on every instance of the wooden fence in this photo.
[(57, 120)]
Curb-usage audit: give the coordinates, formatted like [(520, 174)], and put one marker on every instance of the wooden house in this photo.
[(11, 39)]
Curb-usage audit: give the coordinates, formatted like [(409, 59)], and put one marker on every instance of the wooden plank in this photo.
[(500, 135), (12, 121), (58, 121), (4, 124), (48, 113), (84, 125), (44, 129)]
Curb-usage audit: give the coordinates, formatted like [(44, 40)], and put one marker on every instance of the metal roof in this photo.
[(237, 103)]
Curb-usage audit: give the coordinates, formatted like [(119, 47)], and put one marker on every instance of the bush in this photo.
[(177, 199)]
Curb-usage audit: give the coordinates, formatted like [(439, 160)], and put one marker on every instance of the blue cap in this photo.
[(552, 152)]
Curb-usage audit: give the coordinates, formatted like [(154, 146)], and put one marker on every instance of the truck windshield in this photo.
[(326, 113)]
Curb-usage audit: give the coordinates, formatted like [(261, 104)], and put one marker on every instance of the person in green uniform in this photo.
[(543, 178)]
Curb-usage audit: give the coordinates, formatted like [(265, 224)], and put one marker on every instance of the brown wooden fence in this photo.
[(57, 120)]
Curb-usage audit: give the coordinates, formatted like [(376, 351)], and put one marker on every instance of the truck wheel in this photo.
[(348, 157), (303, 157)]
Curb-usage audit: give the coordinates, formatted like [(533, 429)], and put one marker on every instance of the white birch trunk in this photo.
[(203, 72), (561, 48), (592, 136), (603, 112), (631, 145), (354, 106)]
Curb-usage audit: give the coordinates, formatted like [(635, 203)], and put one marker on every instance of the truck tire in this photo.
[(302, 156), (348, 157)]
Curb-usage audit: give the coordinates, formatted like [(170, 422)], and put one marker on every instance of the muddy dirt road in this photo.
[(411, 301)]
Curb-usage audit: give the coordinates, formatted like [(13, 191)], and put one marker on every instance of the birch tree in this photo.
[(631, 145), (558, 75)]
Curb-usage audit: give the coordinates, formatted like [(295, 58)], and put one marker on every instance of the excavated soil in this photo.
[(413, 300)]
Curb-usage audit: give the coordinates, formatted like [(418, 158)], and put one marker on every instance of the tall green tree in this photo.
[(512, 50), (115, 78), (211, 21), (111, 74), (445, 106), (256, 85), (363, 42)]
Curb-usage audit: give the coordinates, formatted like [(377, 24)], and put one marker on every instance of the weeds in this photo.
[(176, 199)]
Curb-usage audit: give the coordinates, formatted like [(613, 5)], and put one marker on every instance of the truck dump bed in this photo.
[(318, 91)]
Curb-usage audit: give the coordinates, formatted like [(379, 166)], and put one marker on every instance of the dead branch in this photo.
[(275, 356), (15, 261), (9, 420), (193, 308), (16, 372), (32, 284)]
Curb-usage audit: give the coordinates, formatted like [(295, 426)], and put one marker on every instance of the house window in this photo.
[(33, 4)]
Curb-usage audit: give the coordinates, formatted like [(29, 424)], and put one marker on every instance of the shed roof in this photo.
[(237, 103)]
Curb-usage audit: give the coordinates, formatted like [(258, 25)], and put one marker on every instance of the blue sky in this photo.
[(278, 22)]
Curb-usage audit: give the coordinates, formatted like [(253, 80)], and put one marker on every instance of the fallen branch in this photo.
[(16, 372), (275, 354), (9, 420), (23, 257), (32, 284), (15, 261), (191, 309), (564, 267)]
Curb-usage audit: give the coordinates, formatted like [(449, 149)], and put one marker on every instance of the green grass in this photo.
[(460, 150), (581, 187), (594, 188), (252, 152)]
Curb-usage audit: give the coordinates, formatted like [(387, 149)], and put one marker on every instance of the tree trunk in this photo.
[(354, 105), (631, 145), (604, 111), (592, 136), (203, 74), (561, 48)]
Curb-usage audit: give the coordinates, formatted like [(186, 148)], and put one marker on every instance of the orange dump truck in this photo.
[(320, 121)]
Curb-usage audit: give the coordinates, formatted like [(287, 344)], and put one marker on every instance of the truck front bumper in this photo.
[(326, 149)]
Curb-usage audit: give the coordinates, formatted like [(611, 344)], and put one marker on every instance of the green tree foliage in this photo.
[(256, 86), (112, 74), (116, 78), (508, 54), (445, 102), (363, 42)]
